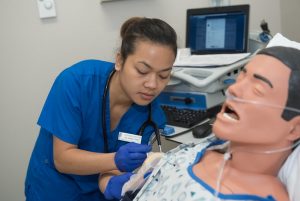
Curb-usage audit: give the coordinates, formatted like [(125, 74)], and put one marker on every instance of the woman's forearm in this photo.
[(80, 162), (71, 160)]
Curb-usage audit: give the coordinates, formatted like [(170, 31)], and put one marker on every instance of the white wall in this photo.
[(290, 19), (34, 51)]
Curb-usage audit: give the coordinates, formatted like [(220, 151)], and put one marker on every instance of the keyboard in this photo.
[(187, 118)]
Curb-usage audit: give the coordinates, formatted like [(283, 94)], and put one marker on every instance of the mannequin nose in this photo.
[(237, 88)]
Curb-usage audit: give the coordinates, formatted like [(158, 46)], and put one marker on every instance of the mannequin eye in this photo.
[(259, 90)]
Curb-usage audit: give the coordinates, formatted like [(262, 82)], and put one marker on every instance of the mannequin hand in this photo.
[(115, 185), (131, 156)]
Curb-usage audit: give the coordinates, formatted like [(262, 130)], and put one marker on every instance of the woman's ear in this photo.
[(294, 133), (119, 62)]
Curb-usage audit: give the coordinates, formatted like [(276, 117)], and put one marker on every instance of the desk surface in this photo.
[(188, 136)]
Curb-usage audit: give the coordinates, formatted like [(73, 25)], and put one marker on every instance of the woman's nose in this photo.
[(151, 82)]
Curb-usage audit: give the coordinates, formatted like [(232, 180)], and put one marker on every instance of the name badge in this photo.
[(127, 137)]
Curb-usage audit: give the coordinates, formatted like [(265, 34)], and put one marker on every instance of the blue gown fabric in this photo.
[(73, 113), (173, 178)]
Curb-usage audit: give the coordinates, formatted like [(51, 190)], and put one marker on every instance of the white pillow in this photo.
[(289, 174), (280, 40)]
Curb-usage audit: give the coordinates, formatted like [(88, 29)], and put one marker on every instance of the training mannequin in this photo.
[(252, 127), (259, 124)]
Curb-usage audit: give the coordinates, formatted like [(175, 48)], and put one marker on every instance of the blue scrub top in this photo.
[(73, 113)]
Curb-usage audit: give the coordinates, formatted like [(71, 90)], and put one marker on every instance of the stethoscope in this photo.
[(147, 123)]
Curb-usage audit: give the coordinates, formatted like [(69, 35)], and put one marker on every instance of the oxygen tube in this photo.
[(226, 157), (230, 96), (228, 154)]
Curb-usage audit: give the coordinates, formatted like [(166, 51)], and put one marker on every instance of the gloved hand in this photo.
[(131, 156), (114, 186)]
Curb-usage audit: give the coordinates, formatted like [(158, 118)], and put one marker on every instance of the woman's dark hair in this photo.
[(153, 30), (291, 58)]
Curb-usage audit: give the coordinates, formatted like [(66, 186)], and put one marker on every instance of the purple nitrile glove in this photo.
[(114, 186), (130, 156)]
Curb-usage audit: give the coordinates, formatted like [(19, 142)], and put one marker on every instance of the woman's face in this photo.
[(146, 72), (265, 80)]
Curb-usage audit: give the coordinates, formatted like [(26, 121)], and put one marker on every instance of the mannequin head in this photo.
[(291, 58), (270, 78)]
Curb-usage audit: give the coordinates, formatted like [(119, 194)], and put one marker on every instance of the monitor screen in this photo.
[(217, 29)]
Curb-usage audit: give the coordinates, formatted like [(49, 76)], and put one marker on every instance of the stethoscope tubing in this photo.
[(147, 123)]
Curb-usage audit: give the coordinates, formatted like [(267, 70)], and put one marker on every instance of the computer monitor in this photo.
[(216, 30)]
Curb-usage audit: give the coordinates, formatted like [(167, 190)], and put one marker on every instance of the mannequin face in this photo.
[(145, 73), (264, 79)]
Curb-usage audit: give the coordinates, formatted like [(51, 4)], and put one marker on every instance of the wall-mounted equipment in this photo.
[(46, 8)]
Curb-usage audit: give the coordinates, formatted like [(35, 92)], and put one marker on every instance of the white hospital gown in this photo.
[(173, 180)]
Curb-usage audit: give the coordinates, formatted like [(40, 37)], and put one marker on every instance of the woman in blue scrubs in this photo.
[(70, 160)]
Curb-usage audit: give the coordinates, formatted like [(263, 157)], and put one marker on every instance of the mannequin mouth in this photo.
[(230, 114)]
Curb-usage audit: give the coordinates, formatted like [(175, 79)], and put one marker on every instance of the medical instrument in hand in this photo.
[(137, 181), (130, 156), (148, 122)]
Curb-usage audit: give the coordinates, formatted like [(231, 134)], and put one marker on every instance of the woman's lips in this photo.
[(147, 96)]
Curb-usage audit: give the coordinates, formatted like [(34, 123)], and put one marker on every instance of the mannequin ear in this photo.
[(294, 133), (119, 62)]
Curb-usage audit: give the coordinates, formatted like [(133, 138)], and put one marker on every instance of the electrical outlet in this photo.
[(46, 8)]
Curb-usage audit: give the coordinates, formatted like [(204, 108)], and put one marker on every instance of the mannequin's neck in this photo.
[(256, 160)]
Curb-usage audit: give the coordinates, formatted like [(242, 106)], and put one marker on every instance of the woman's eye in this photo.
[(164, 76), (142, 72)]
